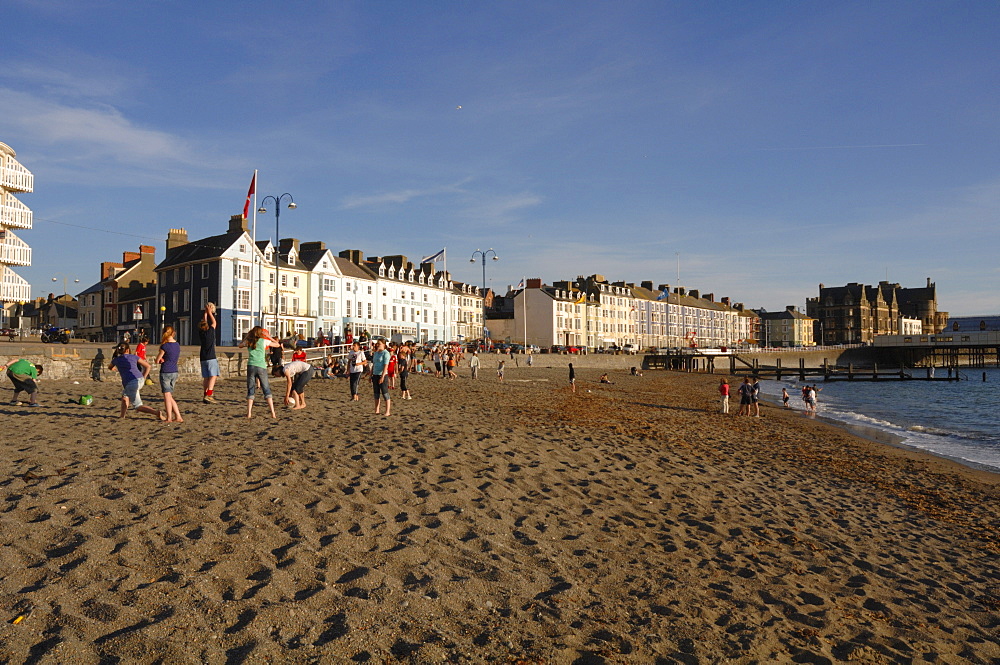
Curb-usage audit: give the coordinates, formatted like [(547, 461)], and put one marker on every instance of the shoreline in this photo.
[(881, 436), (484, 522)]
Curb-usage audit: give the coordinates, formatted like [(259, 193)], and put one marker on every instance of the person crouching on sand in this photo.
[(23, 374), (257, 342), (297, 375), (133, 371)]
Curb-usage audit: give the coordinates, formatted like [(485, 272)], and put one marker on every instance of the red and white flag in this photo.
[(250, 193)]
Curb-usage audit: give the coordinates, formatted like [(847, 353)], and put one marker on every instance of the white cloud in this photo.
[(91, 141)]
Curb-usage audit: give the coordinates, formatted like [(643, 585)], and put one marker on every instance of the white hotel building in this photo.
[(13, 215)]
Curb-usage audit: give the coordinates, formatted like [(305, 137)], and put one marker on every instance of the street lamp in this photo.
[(483, 255), (65, 281), (277, 247)]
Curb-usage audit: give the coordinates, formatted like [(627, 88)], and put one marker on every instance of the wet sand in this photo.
[(484, 523)]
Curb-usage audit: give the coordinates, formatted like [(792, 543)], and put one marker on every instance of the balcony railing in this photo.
[(13, 287), (14, 213), (13, 249), (14, 176)]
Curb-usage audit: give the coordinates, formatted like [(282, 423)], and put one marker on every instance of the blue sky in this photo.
[(769, 146)]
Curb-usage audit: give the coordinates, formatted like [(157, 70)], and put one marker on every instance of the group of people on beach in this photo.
[(749, 392)]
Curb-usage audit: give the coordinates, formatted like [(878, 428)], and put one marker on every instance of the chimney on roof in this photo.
[(710, 297), (108, 269), (313, 245), (352, 255), (533, 283), (694, 293), (791, 308), (129, 256), (726, 301), (664, 287), (147, 249), (929, 283), (647, 284), (680, 290), (176, 238), (238, 224), (287, 244)]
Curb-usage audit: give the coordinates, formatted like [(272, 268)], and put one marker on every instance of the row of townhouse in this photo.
[(295, 288), (593, 312)]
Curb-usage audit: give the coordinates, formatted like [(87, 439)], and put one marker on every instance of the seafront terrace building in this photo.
[(789, 327), (606, 314), (107, 308), (14, 289)]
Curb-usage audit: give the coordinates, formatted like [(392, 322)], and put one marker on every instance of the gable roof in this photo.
[(205, 249)]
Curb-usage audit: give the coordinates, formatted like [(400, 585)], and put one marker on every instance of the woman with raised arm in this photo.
[(257, 341), (133, 371)]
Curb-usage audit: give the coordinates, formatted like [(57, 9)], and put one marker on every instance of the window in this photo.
[(425, 297), (243, 272), (270, 278), (243, 249), (204, 271), (204, 297), (243, 299), (187, 299), (369, 289), (435, 317), (347, 305), (173, 301), (187, 273), (369, 309), (295, 306), (295, 281), (284, 280), (385, 315), (329, 308), (329, 284), (384, 292), (393, 312)]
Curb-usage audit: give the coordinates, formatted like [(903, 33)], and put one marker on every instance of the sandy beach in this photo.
[(484, 523)]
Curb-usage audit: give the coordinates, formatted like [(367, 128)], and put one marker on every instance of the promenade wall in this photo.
[(82, 360)]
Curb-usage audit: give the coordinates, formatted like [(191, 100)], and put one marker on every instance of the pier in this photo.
[(696, 360)]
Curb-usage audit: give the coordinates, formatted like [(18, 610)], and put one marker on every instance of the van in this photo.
[(399, 338)]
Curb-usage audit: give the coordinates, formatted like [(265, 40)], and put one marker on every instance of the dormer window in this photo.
[(420, 279), (392, 273), (381, 271)]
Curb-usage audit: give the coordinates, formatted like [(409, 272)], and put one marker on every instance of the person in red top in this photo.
[(724, 392), (299, 354)]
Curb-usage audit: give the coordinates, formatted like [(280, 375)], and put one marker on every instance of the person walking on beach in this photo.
[(724, 393), (356, 361), (474, 365), (380, 378), (23, 375), (755, 397), (169, 354), (746, 397), (436, 357), (811, 398), (297, 375), (209, 363), (257, 342), (133, 371), (500, 371), (404, 359), (450, 363), (784, 397), (572, 378)]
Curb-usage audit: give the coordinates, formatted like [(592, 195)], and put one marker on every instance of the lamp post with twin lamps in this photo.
[(277, 248), (484, 255), (65, 281)]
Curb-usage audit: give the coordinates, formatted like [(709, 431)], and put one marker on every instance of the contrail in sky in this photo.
[(846, 147)]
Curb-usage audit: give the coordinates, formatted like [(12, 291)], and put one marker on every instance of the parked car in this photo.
[(630, 349), (572, 349), (557, 348)]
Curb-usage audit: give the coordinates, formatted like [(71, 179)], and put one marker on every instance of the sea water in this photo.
[(959, 420)]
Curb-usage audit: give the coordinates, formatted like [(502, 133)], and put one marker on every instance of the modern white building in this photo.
[(14, 177)]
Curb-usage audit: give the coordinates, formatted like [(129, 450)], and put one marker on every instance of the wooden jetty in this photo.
[(691, 360)]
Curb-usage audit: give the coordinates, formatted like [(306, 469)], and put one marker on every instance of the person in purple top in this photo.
[(170, 353), (133, 371)]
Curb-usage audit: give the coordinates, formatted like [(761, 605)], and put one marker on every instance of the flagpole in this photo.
[(447, 303), (255, 312), (524, 297)]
